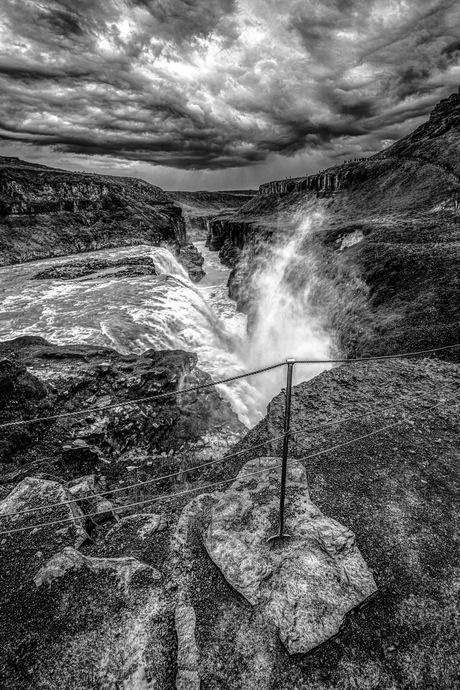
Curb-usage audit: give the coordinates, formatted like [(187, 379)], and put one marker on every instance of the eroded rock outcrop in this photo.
[(304, 585), (70, 559), (187, 652), (193, 261), (88, 266), (74, 378)]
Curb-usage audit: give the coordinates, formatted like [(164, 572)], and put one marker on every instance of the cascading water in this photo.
[(286, 323), (166, 311)]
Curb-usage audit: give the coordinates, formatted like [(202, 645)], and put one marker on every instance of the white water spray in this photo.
[(286, 323)]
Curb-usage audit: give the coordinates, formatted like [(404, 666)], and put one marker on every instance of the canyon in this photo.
[(101, 312), (386, 241)]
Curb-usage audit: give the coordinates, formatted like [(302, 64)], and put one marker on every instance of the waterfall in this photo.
[(132, 313), (286, 323)]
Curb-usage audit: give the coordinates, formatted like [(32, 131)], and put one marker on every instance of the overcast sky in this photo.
[(195, 94)]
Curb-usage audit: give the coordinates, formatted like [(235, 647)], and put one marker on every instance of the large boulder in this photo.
[(304, 584), (84, 489)]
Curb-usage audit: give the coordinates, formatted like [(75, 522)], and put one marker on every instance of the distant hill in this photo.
[(217, 194), (435, 141)]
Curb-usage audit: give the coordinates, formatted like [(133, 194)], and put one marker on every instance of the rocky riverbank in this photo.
[(39, 379)]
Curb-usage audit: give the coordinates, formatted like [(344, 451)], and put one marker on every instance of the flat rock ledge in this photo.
[(303, 585)]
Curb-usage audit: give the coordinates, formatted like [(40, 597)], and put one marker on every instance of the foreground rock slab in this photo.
[(303, 585), (73, 620)]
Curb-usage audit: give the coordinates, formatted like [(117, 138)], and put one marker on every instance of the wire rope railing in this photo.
[(202, 386), (294, 435), (282, 465)]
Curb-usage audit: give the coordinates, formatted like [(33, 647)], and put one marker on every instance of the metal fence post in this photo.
[(287, 425)]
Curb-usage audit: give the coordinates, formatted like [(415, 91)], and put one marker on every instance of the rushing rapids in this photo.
[(161, 309)]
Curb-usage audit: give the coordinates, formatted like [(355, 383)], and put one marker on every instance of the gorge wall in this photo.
[(49, 212), (322, 183)]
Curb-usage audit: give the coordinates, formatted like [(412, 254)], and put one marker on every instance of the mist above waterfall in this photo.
[(285, 321)]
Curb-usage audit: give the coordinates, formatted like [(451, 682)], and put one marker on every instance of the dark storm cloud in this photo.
[(213, 84), (60, 22), (451, 49), (183, 19)]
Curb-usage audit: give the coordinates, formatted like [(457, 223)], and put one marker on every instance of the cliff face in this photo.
[(322, 183), (387, 245), (49, 212)]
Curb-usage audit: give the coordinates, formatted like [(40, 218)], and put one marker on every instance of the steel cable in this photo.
[(141, 484), (293, 435), (227, 481), (124, 403)]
